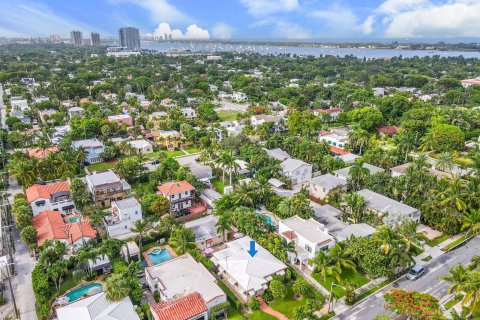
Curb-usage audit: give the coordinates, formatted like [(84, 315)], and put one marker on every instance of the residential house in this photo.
[(332, 112), (382, 205), (93, 147), (298, 171), (358, 230), (278, 121), (335, 138), (75, 112), (17, 103), (182, 276), (141, 146), (168, 103), (309, 236), (51, 196), (180, 194), (189, 307), (202, 172), (46, 115), (344, 173), (321, 186), (40, 99), (401, 171), (121, 119), (206, 233), (170, 139), (100, 265), (247, 275), (106, 186), (123, 215), (98, 307), (348, 157), (51, 226), (278, 154), (189, 113), (470, 82), (388, 130), (40, 153), (239, 97)]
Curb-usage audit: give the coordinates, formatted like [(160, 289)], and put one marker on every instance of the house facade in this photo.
[(121, 119), (141, 146), (180, 194), (123, 215), (206, 234), (52, 196), (93, 147), (321, 186), (297, 170), (170, 139), (106, 186)]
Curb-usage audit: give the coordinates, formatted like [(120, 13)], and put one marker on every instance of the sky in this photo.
[(245, 19)]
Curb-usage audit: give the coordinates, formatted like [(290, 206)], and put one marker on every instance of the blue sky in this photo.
[(246, 19)]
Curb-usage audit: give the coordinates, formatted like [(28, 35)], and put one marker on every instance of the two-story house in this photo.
[(170, 139), (321, 186), (93, 147), (309, 236), (297, 170), (124, 214), (180, 194), (51, 196), (121, 119), (278, 121), (189, 113), (106, 186)]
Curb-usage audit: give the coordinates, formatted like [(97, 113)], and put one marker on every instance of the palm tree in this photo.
[(24, 170), (457, 276), (244, 195), (357, 174), (454, 194), (428, 142), (445, 162), (323, 266), (339, 258), (355, 206), (359, 138), (182, 239), (474, 263), (285, 208), (117, 287), (263, 189), (227, 161), (408, 230), (472, 293), (223, 225), (141, 228), (471, 222), (405, 141), (386, 238)]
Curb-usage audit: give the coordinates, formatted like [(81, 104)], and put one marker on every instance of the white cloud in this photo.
[(25, 18), (160, 10), (426, 18), (285, 29), (222, 31), (367, 26), (266, 7), (192, 32), (338, 20)]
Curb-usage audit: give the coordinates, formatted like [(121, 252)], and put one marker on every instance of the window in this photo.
[(308, 248)]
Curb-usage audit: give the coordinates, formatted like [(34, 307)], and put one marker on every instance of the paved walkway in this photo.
[(265, 308)]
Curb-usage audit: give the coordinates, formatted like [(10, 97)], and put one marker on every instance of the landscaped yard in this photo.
[(192, 150), (347, 276), (218, 184), (260, 315), (100, 166), (456, 242), (450, 303), (373, 289), (288, 305), (233, 314), (175, 153), (436, 241), (228, 115)]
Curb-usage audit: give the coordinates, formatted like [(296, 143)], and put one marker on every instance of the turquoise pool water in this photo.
[(74, 219), (159, 255), (78, 293), (267, 218)]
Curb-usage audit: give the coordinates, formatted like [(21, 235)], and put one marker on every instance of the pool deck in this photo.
[(166, 247), (78, 286)]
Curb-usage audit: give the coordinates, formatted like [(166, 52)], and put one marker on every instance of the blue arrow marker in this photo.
[(252, 250)]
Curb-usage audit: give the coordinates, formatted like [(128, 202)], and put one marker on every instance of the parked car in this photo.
[(416, 272)]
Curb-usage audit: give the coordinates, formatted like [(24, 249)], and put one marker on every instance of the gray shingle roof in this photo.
[(328, 181), (384, 204)]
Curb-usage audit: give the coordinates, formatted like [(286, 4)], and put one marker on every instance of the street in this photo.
[(428, 283)]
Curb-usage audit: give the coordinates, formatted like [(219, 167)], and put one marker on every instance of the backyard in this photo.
[(347, 276), (228, 115), (192, 150), (100, 166), (288, 304), (218, 184)]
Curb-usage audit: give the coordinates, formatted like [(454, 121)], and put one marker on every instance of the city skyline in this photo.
[(246, 19)]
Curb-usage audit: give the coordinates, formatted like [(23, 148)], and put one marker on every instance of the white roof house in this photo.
[(383, 205), (297, 170), (357, 229), (101, 178), (124, 214), (345, 172), (205, 230), (249, 275), (278, 154), (98, 307), (141, 146), (181, 276), (320, 186), (310, 236)]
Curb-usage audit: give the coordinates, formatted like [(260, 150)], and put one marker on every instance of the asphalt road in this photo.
[(428, 283)]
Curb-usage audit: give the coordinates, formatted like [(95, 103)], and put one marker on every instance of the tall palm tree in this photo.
[(227, 161), (457, 276), (223, 225), (338, 257), (141, 228), (323, 267), (406, 141), (117, 287), (285, 208), (24, 170), (359, 138), (408, 230), (182, 239), (471, 222), (427, 142), (445, 162), (357, 174), (355, 206), (244, 195), (386, 238), (454, 194)]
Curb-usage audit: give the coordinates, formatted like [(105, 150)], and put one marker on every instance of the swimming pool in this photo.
[(74, 219), (159, 255), (80, 292), (268, 219)]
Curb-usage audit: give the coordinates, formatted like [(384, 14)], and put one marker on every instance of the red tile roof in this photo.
[(181, 309), (388, 129), (290, 235), (338, 151), (170, 188), (41, 153), (328, 111), (46, 190), (50, 226)]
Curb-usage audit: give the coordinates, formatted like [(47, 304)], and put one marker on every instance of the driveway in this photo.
[(429, 283)]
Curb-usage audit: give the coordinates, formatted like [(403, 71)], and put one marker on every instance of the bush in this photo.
[(156, 296), (253, 304), (448, 138), (278, 289), (41, 289)]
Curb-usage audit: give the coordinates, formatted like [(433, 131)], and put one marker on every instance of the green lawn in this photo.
[(347, 275), (192, 150), (373, 289), (288, 305), (260, 315), (456, 242), (228, 115), (100, 166), (175, 153), (450, 303), (436, 241), (416, 250), (233, 314), (218, 184)]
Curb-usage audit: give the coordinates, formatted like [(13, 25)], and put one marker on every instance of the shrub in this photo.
[(278, 289), (156, 296), (253, 304)]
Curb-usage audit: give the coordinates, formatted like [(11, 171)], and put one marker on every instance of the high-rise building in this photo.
[(129, 38), (76, 37), (95, 37)]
